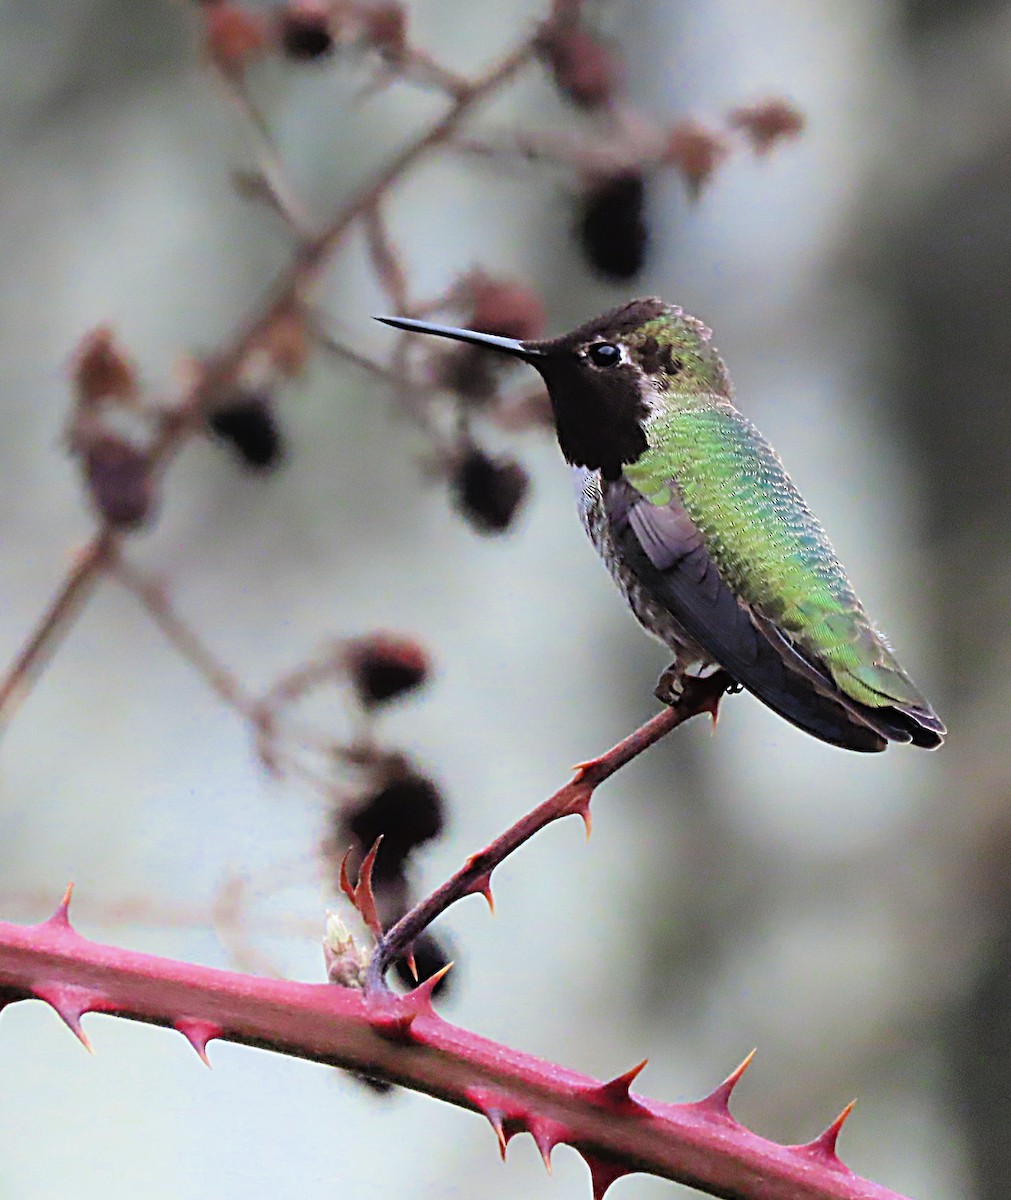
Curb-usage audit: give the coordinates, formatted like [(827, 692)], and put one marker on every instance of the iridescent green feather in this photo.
[(767, 544)]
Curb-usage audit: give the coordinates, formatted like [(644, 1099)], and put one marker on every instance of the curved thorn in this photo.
[(497, 1119), (546, 1134), (824, 1145), (603, 1172), (198, 1033), (718, 1100), (616, 1090), (425, 989), (482, 887), (70, 1003), (61, 917)]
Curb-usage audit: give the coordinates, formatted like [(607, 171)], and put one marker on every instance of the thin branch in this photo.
[(386, 262), (402, 1040), (184, 640), (474, 877), (55, 621), (221, 371)]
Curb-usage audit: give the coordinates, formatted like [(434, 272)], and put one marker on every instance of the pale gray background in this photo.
[(846, 915)]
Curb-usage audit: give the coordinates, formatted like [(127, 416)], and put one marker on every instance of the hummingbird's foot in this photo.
[(670, 687), (694, 694)]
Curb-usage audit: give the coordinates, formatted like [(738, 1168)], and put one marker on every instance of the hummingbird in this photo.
[(713, 547)]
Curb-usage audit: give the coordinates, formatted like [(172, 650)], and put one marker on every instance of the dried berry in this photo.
[(384, 666), (406, 811), (696, 150), (118, 476), (469, 371), (385, 29), (489, 490), (429, 958), (306, 32), (247, 423), (767, 122), (234, 37), (505, 308), (612, 226), (101, 369), (587, 71)]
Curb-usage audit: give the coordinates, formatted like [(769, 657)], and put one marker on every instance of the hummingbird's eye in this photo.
[(604, 354)]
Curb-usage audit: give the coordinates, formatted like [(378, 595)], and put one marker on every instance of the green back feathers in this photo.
[(767, 544)]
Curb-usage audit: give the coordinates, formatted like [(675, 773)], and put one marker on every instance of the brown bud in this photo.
[(489, 491), (118, 475), (234, 37), (696, 150), (587, 71), (767, 122), (305, 29), (101, 370), (385, 29), (505, 308), (384, 666)]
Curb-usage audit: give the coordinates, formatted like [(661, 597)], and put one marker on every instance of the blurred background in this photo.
[(850, 916)]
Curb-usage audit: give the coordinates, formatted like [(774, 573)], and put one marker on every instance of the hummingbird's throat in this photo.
[(600, 427)]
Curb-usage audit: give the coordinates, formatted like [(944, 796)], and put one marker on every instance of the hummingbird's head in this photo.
[(608, 377)]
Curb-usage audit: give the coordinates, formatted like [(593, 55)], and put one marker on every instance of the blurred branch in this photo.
[(400, 1039), (222, 371)]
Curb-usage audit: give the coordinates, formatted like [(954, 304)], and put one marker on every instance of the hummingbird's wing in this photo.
[(669, 555)]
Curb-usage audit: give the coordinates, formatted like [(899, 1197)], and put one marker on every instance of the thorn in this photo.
[(497, 1119), (616, 1091), (423, 992), (493, 1105), (546, 1134), (482, 887), (581, 768), (61, 916), (70, 1003), (581, 806), (198, 1033), (719, 1100), (603, 1172), (412, 964), (824, 1145)]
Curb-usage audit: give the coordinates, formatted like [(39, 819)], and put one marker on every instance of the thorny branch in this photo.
[(401, 1039), (393, 1037), (701, 696)]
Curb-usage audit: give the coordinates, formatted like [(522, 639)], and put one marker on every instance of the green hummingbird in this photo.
[(712, 546)]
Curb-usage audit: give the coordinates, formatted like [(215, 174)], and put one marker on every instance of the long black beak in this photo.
[(488, 340)]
